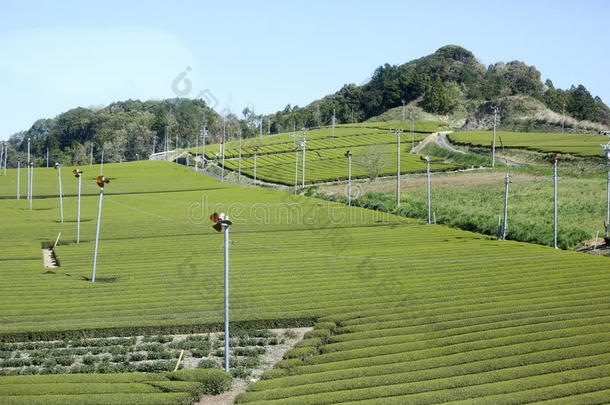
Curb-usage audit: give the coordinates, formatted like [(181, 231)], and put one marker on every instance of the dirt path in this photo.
[(273, 355)]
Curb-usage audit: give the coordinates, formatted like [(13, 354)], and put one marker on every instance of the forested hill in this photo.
[(451, 81), (451, 78)]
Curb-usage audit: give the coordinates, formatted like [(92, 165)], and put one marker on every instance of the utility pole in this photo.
[(101, 181), (352, 114), (294, 135), (606, 149), (61, 200), (269, 125), (102, 162), (18, 172), (196, 150), (5, 157), (348, 154), (302, 145), (333, 122), (1, 155), (166, 140), (255, 149), (397, 131), (412, 128), (608, 208), (554, 161), (29, 174), (493, 147), (78, 174), (504, 227), (563, 117), (47, 158), (91, 156), (222, 222), (403, 110), (31, 178), (224, 143), (204, 135), (427, 159), (239, 159), (177, 147), (296, 170), (261, 127)]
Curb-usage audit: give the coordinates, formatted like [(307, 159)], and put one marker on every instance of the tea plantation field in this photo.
[(325, 153), (584, 145), (403, 312)]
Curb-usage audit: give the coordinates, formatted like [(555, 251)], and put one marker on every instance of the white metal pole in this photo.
[(224, 141), (186, 157), (563, 115), (226, 226), (1, 155), (205, 135), (412, 128), (29, 169), (608, 208), (239, 160), (31, 183), (97, 233), (493, 147), (255, 168), (555, 205), (78, 210), (303, 163), (333, 122), (196, 150), (505, 225), (296, 171), (177, 151), (429, 203), (349, 180), (398, 131), (61, 199), (18, 172), (5, 157)]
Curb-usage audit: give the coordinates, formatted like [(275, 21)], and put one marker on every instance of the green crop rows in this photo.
[(575, 144), (325, 160), (406, 312), (177, 388)]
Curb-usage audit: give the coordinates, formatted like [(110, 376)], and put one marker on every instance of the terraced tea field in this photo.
[(404, 312), (576, 144), (325, 153)]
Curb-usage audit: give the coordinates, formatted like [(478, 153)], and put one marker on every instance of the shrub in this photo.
[(215, 381)]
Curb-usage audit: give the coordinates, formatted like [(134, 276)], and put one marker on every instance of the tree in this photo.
[(371, 159), (437, 99)]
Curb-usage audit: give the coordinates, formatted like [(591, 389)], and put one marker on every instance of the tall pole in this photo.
[(47, 158), (333, 122), (303, 168), (427, 158), (196, 150), (493, 146), (91, 156), (412, 128), (61, 198), (563, 117), (29, 169), (555, 205), (296, 171), (177, 147), (102, 162), (239, 160), (224, 141), (397, 131), (403, 110), (269, 125), (78, 210), (1, 155), (226, 226), (255, 167), (97, 233), (31, 183), (19, 171), (349, 178), (5, 157), (505, 225), (608, 208)]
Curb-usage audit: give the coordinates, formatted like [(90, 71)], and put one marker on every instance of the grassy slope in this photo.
[(295, 259)]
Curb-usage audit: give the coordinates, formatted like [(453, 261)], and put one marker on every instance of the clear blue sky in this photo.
[(57, 55)]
